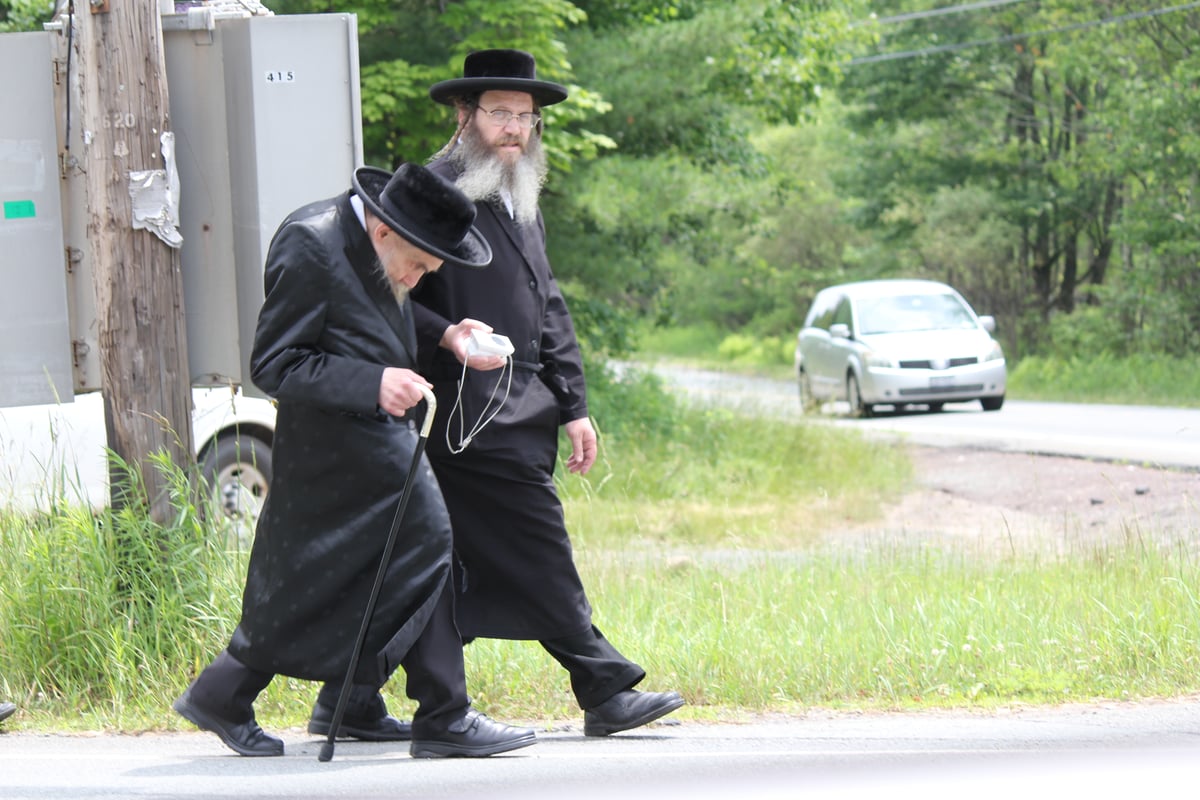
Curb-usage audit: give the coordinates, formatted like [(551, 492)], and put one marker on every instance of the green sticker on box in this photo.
[(19, 209)]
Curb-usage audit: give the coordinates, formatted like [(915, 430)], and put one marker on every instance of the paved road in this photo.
[(1168, 437), (1115, 750)]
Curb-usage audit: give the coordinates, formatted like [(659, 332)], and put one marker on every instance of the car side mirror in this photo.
[(988, 322), (839, 330)]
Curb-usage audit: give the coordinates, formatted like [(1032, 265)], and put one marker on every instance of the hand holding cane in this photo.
[(430, 409)]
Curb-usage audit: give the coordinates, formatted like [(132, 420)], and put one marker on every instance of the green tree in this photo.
[(1035, 113), (676, 221), (656, 184), (24, 15), (408, 45), (1154, 293)]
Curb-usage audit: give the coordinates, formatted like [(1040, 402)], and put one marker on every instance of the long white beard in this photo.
[(485, 176)]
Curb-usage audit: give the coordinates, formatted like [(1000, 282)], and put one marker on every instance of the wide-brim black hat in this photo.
[(427, 210), (502, 70)]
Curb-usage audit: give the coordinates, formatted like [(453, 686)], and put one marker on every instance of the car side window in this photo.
[(842, 314), (821, 314)]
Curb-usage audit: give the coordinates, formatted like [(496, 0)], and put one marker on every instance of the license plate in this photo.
[(941, 383)]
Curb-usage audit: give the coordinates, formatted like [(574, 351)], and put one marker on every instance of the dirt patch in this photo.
[(1012, 502)]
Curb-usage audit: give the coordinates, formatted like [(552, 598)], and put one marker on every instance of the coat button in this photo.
[(533, 284)]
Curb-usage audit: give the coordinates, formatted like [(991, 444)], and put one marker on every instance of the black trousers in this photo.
[(597, 669), (434, 668)]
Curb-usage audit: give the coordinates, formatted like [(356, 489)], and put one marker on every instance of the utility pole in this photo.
[(138, 282)]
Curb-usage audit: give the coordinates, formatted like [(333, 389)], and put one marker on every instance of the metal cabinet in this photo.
[(265, 112)]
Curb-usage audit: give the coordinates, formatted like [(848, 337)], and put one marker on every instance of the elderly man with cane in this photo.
[(335, 347)]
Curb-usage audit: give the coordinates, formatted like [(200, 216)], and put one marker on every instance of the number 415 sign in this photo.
[(281, 76)]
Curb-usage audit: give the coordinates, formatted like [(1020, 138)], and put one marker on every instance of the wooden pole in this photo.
[(138, 283)]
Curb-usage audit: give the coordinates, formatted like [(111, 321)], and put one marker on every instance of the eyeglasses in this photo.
[(502, 116)]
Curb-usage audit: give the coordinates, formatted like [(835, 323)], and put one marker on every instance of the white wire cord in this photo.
[(457, 411)]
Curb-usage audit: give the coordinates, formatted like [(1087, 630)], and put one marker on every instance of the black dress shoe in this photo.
[(628, 709), (7, 710), (244, 738), (474, 736), (380, 729)]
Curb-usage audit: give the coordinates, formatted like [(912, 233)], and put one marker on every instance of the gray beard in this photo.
[(485, 176), (397, 289)]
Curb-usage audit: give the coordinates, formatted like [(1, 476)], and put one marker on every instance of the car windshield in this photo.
[(912, 312)]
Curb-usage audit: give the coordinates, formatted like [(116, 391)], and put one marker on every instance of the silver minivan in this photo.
[(897, 343)]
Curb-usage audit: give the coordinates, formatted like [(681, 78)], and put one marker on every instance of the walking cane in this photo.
[(430, 410)]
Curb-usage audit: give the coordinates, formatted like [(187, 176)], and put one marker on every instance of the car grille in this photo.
[(927, 364), (965, 387)]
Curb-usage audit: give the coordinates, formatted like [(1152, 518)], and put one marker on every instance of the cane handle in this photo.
[(430, 410)]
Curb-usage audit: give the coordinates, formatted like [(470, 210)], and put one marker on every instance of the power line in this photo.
[(1016, 37), (938, 12)]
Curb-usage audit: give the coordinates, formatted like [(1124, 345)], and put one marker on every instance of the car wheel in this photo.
[(237, 470), (992, 403), (808, 403), (936, 407), (854, 395)]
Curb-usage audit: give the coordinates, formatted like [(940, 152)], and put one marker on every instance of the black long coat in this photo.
[(515, 576), (327, 329)]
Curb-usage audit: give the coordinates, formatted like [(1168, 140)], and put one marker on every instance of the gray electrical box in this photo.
[(266, 118), (35, 338)]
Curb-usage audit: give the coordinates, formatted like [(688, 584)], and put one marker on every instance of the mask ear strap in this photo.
[(465, 436)]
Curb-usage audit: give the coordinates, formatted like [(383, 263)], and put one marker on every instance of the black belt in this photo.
[(380, 416)]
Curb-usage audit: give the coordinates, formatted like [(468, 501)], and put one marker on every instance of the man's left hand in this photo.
[(455, 340), (583, 445)]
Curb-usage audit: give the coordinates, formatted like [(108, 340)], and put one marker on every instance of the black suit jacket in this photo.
[(516, 576)]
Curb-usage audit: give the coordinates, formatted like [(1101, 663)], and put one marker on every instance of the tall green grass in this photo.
[(101, 613), (715, 477), (711, 347), (681, 341), (1142, 380), (891, 629)]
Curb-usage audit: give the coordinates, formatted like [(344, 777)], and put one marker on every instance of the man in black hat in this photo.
[(335, 347), (515, 574)]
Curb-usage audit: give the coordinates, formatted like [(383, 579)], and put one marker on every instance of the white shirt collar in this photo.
[(357, 203)]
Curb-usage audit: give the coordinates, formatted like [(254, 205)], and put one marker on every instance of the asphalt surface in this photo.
[(1157, 436), (1109, 750)]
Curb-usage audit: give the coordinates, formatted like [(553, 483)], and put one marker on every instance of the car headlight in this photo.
[(878, 360), (994, 353)]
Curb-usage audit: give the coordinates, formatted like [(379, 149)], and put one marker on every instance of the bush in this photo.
[(1138, 380), (110, 611), (756, 351)]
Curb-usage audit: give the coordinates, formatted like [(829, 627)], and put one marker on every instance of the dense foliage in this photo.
[(24, 15), (1048, 169), (719, 161)]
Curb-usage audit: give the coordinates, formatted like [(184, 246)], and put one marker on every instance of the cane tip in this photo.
[(326, 752)]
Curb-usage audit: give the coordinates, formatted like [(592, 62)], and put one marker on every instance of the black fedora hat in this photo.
[(427, 210), (505, 70)]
